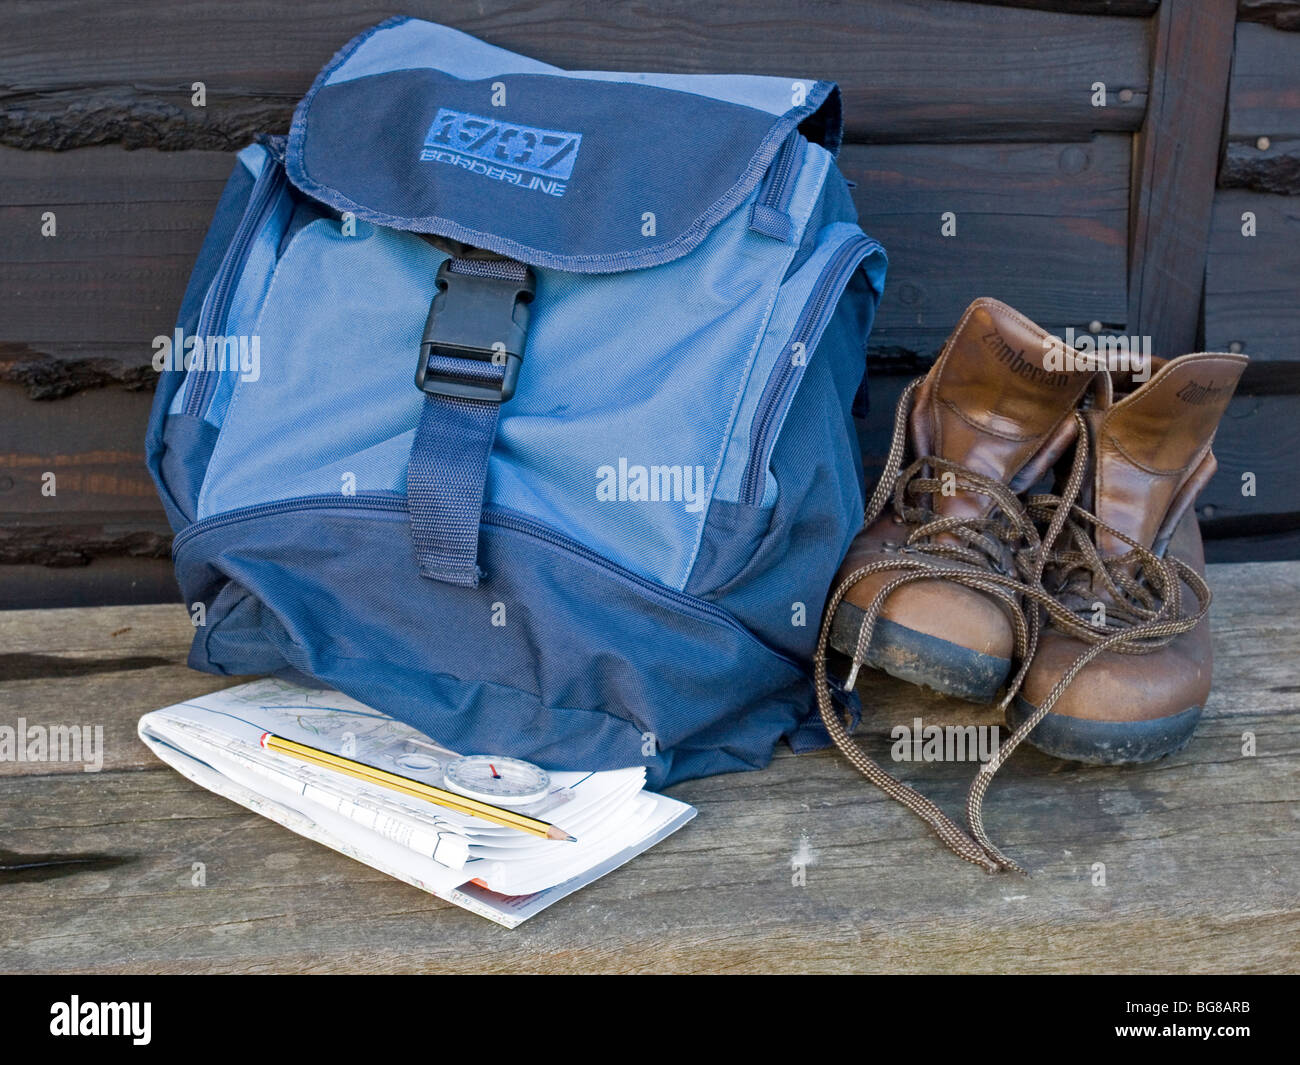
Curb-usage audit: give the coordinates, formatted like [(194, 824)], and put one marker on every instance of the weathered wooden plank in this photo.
[(1259, 435), (83, 454), (1199, 850), (88, 300), (78, 538), (128, 228), (1223, 543), (1252, 283), (1284, 14), (1128, 8), (1001, 72), (99, 630), (1263, 142), (62, 662), (1182, 893), (74, 488), (104, 579), (1015, 208), (1176, 158)]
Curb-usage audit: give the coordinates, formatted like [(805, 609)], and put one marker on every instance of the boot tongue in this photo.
[(996, 403), (1153, 447)]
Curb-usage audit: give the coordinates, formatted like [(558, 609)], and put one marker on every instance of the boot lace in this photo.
[(1006, 557)]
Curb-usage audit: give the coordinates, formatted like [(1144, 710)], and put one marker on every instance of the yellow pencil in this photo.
[(441, 797)]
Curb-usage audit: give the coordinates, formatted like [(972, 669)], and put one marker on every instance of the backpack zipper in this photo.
[(506, 519), (782, 185), (812, 321), (503, 519), (282, 506), (770, 213), (217, 308)]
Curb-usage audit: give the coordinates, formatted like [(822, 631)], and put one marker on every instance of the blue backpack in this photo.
[(516, 403)]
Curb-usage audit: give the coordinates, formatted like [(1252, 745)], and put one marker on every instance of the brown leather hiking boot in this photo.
[(1105, 612), (985, 423), (1149, 458)]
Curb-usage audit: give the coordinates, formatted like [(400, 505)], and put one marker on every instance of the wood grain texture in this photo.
[(76, 542), (1129, 8), (93, 446), (1176, 158), (103, 579), (1284, 14), (103, 506), (129, 226), (1252, 283), (1253, 543), (1258, 435), (61, 660), (1264, 102), (928, 70), (1016, 208), (1200, 849)]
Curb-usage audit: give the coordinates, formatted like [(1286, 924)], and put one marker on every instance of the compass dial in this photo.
[(503, 781)]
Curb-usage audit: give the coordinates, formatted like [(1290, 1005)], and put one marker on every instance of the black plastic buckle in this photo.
[(480, 318)]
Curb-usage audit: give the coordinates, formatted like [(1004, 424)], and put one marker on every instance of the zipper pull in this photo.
[(770, 213)]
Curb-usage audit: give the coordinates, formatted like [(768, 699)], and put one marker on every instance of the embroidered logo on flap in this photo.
[(532, 158)]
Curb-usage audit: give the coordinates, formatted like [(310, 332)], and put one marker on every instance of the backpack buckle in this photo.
[(479, 314)]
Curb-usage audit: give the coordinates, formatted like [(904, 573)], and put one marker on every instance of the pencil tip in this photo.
[(571, 839)]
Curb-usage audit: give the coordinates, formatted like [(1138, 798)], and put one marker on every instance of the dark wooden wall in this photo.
[(1126, 215)]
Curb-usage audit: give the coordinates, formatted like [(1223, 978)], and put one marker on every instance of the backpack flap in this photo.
[(512, 166), (419, 127)]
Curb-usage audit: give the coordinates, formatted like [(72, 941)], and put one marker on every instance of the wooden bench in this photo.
[(1188, 865)]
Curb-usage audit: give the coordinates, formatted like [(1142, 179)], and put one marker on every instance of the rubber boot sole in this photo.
[(921, 659), (1077, 739)]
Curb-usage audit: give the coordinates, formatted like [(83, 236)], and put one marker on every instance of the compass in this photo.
[(503, 781)]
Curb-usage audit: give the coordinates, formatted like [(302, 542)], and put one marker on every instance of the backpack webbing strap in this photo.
[(469, 362)]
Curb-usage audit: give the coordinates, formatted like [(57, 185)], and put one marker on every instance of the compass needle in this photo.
[(504, 781)]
